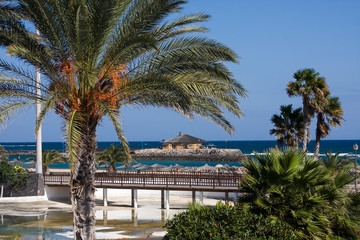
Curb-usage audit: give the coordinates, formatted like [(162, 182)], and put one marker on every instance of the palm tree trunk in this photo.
[(112, 168), (318, 136), (306, 123), (82, 187)]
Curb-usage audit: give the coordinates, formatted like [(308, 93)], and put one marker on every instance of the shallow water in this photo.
[(114, 224)]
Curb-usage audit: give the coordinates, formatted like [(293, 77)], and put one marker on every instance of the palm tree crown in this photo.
[(112, 155), (96, 56), (329, 113), (49, 157), (288, 126)]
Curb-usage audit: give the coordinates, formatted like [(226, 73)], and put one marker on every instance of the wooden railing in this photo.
[(160, 179)]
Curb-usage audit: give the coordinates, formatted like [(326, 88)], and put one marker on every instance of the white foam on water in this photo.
[(158, 234)]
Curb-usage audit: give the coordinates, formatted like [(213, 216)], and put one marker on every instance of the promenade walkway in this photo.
[(164, 181)]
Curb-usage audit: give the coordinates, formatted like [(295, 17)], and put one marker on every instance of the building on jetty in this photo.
[(183, 141)]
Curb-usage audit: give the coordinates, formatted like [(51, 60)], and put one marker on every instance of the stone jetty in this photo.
[(209, 155)]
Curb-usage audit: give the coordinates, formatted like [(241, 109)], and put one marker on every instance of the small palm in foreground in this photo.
[(48, 158), (113, 155), (301, 192)]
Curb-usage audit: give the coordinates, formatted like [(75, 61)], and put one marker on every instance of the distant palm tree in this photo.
[(97, 56), (3, 153), (288, 126), (329, 113), (113, 155), (49, 157), (335, 163), (307, 84)]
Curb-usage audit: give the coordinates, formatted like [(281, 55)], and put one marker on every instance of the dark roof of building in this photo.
[(184, 138)]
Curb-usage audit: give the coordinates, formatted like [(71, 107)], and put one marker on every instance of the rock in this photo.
[(212, 155)]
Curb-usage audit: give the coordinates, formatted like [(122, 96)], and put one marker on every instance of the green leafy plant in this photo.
[(19, 169), (224, 222), (303, 192), (7, 175), (15, 177)]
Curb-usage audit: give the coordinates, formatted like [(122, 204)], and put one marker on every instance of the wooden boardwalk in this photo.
[(216, 182)]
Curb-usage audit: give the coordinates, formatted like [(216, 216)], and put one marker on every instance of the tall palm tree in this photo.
[(307, 84), (329, 113), (112, 155), (288, 126), (96, 56)]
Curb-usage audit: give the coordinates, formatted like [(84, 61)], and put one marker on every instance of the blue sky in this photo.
[(274, 39)]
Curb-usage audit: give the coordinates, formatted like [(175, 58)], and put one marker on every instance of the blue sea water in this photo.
[(247, 147)]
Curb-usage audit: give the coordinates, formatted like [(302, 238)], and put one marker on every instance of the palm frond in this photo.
[(73, 133), (8, 109)]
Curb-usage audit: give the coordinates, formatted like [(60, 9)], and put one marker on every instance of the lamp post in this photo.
[(38, 110), (355, 147)]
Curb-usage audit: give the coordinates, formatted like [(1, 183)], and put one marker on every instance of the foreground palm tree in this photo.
[(308, 85), (96, 56), (329, 113), (288, 126), (112, 155)]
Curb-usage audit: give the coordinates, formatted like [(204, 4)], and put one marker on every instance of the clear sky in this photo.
[(274, 39)]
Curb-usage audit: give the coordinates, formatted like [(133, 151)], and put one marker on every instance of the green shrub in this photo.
[(15, 177), (307, 194), (19, 169), (224, 222)]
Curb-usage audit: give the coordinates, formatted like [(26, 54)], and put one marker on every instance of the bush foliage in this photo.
[(224, 222), (307, 194), (15, 177)]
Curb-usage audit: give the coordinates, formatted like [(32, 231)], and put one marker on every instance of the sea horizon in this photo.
[(343, 146)]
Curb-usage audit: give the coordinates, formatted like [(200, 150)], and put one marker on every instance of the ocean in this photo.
[(247, 147)]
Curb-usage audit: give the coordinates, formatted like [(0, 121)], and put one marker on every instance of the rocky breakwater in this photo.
[(209, 155)]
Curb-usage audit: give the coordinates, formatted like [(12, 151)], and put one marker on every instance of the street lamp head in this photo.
[(356, 147)]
